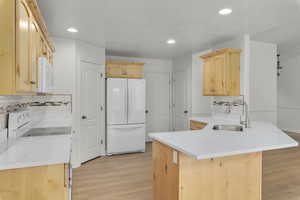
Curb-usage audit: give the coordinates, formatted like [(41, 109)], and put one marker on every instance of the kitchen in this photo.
[(87, 89)]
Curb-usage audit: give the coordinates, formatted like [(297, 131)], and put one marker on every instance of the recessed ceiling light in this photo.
[(225, 11), (72, 30), (171, 41)]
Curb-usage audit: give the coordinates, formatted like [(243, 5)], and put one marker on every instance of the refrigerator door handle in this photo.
[(127, 126), (126, 101)]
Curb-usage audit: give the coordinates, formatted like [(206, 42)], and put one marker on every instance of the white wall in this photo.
[(200, 104), (63, 65), (67, 78), (289, 90), (88, 53), (263, 82), (151, 65), (258, 78)]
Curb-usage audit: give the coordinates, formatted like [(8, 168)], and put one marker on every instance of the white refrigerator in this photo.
[(125, 116)]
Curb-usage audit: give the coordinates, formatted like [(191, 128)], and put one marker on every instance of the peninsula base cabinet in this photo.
[(51, 182), (196, 125), (177, 176)]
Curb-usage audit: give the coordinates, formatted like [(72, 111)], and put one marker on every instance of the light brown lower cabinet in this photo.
[(177, 176), (196, 125), (35, 183)]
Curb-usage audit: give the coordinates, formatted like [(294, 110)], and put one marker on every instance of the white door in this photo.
[(136, 101), (158, 101), (116, 101), (92, 125), (180, 101)]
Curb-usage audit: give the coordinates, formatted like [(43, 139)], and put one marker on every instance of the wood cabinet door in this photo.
[(134, 71), (209, 85), (34, 54), (221, 73), (35, 183), (115, 70), (165, 172), (219, 63), (22, 47)]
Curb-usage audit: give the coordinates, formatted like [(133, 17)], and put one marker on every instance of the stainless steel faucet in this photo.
[(246, 121)]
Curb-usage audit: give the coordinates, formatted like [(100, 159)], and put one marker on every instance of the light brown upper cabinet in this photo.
[(21, 30), (116, 69), (23, 26), (34, 51), (221, 73)]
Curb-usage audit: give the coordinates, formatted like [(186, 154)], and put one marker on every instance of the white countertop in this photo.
[(37, 151), (208, 143)]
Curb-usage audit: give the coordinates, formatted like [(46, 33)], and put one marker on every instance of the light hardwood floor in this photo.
[(128, 177)]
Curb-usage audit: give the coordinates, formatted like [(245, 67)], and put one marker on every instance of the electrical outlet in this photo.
[(175, 157)]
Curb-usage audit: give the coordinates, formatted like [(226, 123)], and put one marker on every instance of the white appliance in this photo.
[(125, 116), (3, 140), (45, 70), (19, 122)]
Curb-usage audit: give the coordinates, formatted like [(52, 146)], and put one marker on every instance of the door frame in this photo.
[(170, 74), (101, 114)]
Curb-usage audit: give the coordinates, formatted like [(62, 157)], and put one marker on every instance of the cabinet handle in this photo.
[(18, 70), (66, 175), (32, 82)]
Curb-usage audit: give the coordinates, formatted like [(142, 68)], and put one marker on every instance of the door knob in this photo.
[(83, 117), (185, 112), (146, 111)]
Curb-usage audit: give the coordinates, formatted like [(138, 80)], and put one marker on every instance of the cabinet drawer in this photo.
[(195, 125)]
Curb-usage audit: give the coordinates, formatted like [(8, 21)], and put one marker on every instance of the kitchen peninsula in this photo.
[(213, 165)]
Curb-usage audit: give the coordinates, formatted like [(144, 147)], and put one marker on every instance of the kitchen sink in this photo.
[(237, 128)]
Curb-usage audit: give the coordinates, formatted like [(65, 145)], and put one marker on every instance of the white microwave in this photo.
[(45, 81)]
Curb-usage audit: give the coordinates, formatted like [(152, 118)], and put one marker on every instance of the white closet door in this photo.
[(158, 101), (180, 101), (116, 101), (136, 101), (92, 93)]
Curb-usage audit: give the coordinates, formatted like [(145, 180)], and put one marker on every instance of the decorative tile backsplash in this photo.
[(47, 111), (228, 107)]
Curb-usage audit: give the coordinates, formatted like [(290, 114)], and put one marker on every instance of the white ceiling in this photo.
[(140, 27)]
